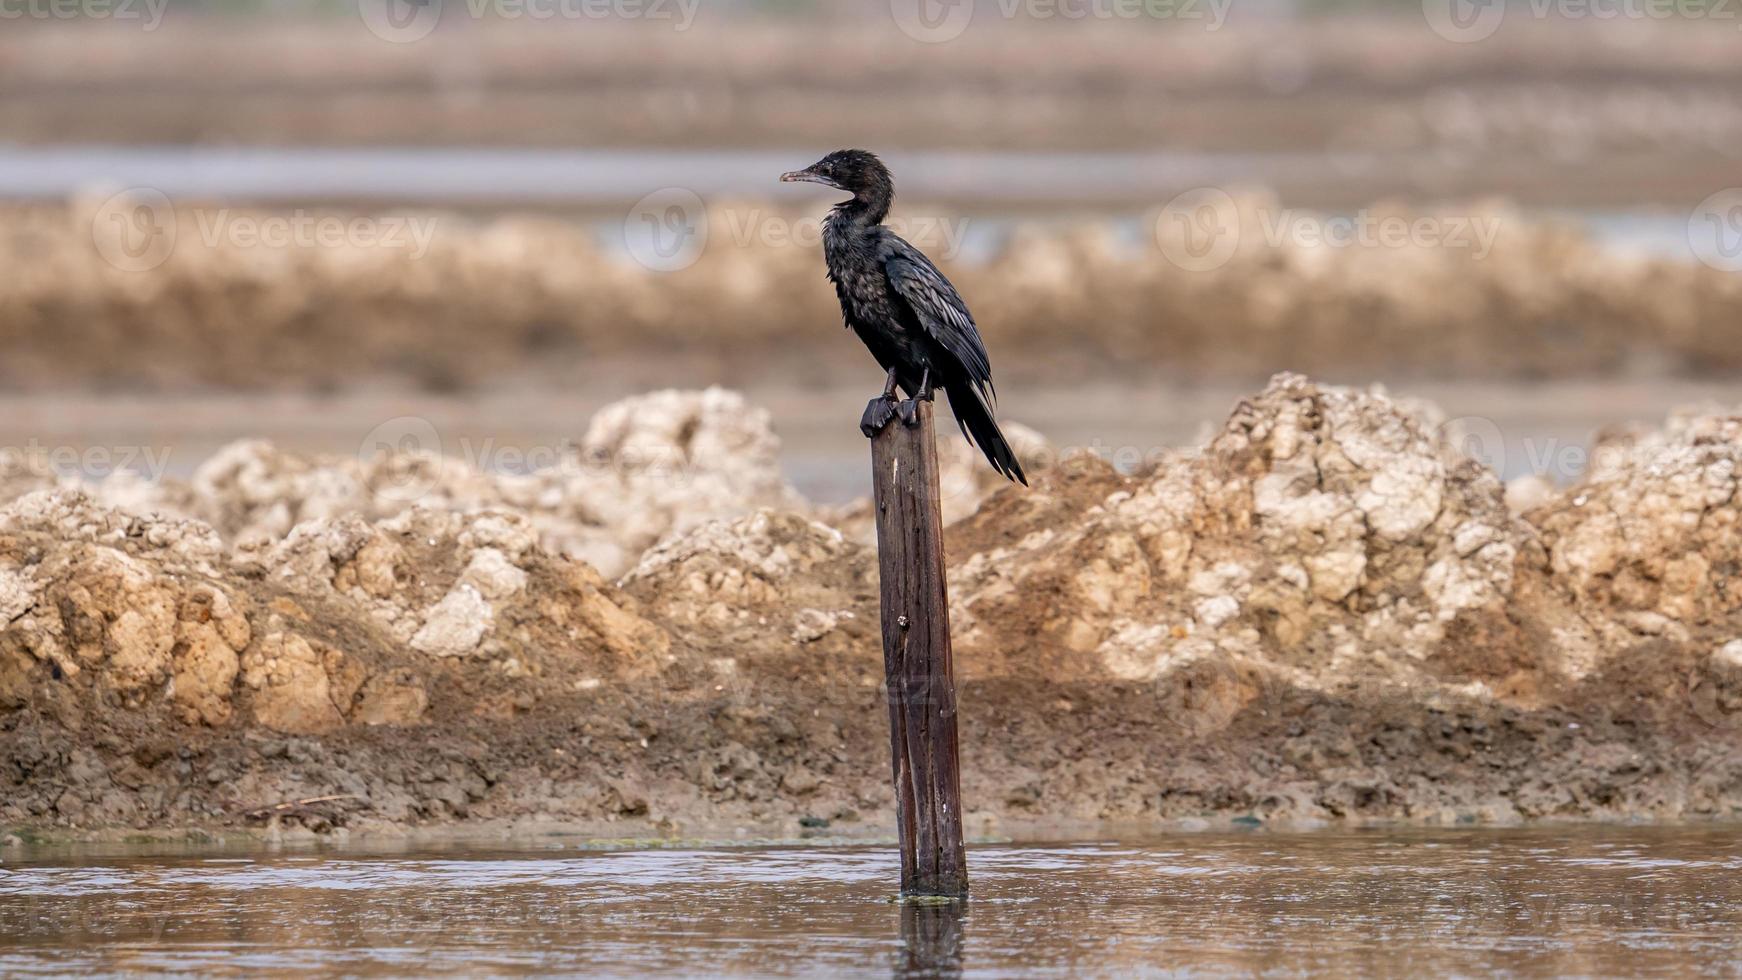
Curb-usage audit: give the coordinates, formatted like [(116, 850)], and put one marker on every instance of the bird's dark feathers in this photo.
[(939, 309)]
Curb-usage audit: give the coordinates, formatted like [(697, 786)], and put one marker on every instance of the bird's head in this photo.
[(857, 172)]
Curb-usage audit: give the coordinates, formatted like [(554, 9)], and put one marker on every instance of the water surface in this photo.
[(1584, 901), (447, 174)]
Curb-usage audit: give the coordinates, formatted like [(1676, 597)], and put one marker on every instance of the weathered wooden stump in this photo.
[(920, 680)]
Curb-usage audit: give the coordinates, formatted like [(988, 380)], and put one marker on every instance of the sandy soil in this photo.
[(1324, 613)]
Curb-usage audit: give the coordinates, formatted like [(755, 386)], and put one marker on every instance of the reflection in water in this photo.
[(931, 939), (1549, 901)]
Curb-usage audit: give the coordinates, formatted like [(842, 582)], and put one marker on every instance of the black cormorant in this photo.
[(902, 307)]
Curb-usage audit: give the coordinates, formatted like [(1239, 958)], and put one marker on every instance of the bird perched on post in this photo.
[(902, 307)]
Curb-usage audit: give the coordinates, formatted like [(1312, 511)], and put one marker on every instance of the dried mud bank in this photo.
[(1325, 613), (1482, 290)]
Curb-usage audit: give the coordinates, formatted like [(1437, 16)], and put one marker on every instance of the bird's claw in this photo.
[(908, 411), (878, 413)]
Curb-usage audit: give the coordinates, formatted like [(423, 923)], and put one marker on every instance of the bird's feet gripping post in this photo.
[(908, 411), (880, 410)]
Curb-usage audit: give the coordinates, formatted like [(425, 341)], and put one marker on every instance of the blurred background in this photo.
[(302, 220)]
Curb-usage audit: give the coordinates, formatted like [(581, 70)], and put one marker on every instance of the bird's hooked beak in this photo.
[(810, 177)]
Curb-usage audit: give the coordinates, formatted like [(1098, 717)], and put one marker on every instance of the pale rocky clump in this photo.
[(1648, 541), (1323, 534), (473, 586), (762, 582), (646, 467), (343, 621), (655, 465), (134, 606), (148, 609)]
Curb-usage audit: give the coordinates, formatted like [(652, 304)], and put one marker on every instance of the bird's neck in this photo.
[(864, 211)]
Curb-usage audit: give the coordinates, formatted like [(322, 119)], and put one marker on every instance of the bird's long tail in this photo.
[(982, 430)]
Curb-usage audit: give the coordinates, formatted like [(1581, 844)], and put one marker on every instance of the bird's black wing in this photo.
[(938, 308)]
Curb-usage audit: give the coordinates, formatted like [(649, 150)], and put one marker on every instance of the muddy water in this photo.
[(1585, 901)]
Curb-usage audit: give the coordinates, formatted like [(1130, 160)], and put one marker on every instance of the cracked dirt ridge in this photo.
[(1324, 613)]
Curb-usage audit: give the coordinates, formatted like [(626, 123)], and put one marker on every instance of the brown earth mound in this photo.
[(1324, 613), (1536, 300)]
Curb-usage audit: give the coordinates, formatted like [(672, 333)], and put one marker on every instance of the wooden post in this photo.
[(919, 678)]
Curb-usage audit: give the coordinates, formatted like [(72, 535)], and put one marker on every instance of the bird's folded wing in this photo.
[(939, 309)]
